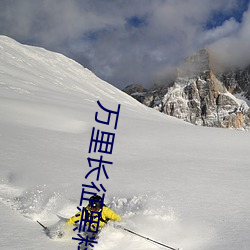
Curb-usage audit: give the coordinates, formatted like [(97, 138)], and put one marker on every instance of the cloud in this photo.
[(121, 41), (228, 28), (233, 49)]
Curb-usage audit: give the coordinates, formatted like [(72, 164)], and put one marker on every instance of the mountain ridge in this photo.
[(200, 95)]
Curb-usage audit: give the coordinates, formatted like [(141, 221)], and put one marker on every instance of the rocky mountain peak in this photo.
[(196, 64), (200, 96)]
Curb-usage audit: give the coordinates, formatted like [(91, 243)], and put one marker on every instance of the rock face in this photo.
[(201, 97), (237, 81), (137, 91)]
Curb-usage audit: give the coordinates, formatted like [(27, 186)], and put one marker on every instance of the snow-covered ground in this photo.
[(182, 185)]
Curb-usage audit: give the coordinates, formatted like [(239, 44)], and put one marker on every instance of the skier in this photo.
[(95, 213)]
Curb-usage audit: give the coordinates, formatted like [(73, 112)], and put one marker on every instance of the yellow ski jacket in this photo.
[(106, 215)]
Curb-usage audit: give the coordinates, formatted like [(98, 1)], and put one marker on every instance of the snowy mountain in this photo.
[(182, 185), (201, 96)]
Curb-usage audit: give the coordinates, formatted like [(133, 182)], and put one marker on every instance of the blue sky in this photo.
[(131, 41), (218, 17)]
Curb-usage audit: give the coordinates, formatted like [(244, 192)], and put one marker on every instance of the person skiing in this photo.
[(96, 214)]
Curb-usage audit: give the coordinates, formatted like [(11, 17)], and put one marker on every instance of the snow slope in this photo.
[(179, 184)]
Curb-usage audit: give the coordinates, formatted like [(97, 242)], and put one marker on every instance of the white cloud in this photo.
[(97, 32), (233, 50), (228, 28)]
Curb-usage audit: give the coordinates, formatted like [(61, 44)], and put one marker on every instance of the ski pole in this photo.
[(45, 228), (47, 231), (159, 243)]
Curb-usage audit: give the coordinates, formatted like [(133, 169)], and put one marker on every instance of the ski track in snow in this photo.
[(144, 214)]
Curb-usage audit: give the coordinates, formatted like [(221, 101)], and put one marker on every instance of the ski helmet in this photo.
[(95, 201)]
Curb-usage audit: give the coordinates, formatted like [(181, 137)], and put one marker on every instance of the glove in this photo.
[(60, 233)]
